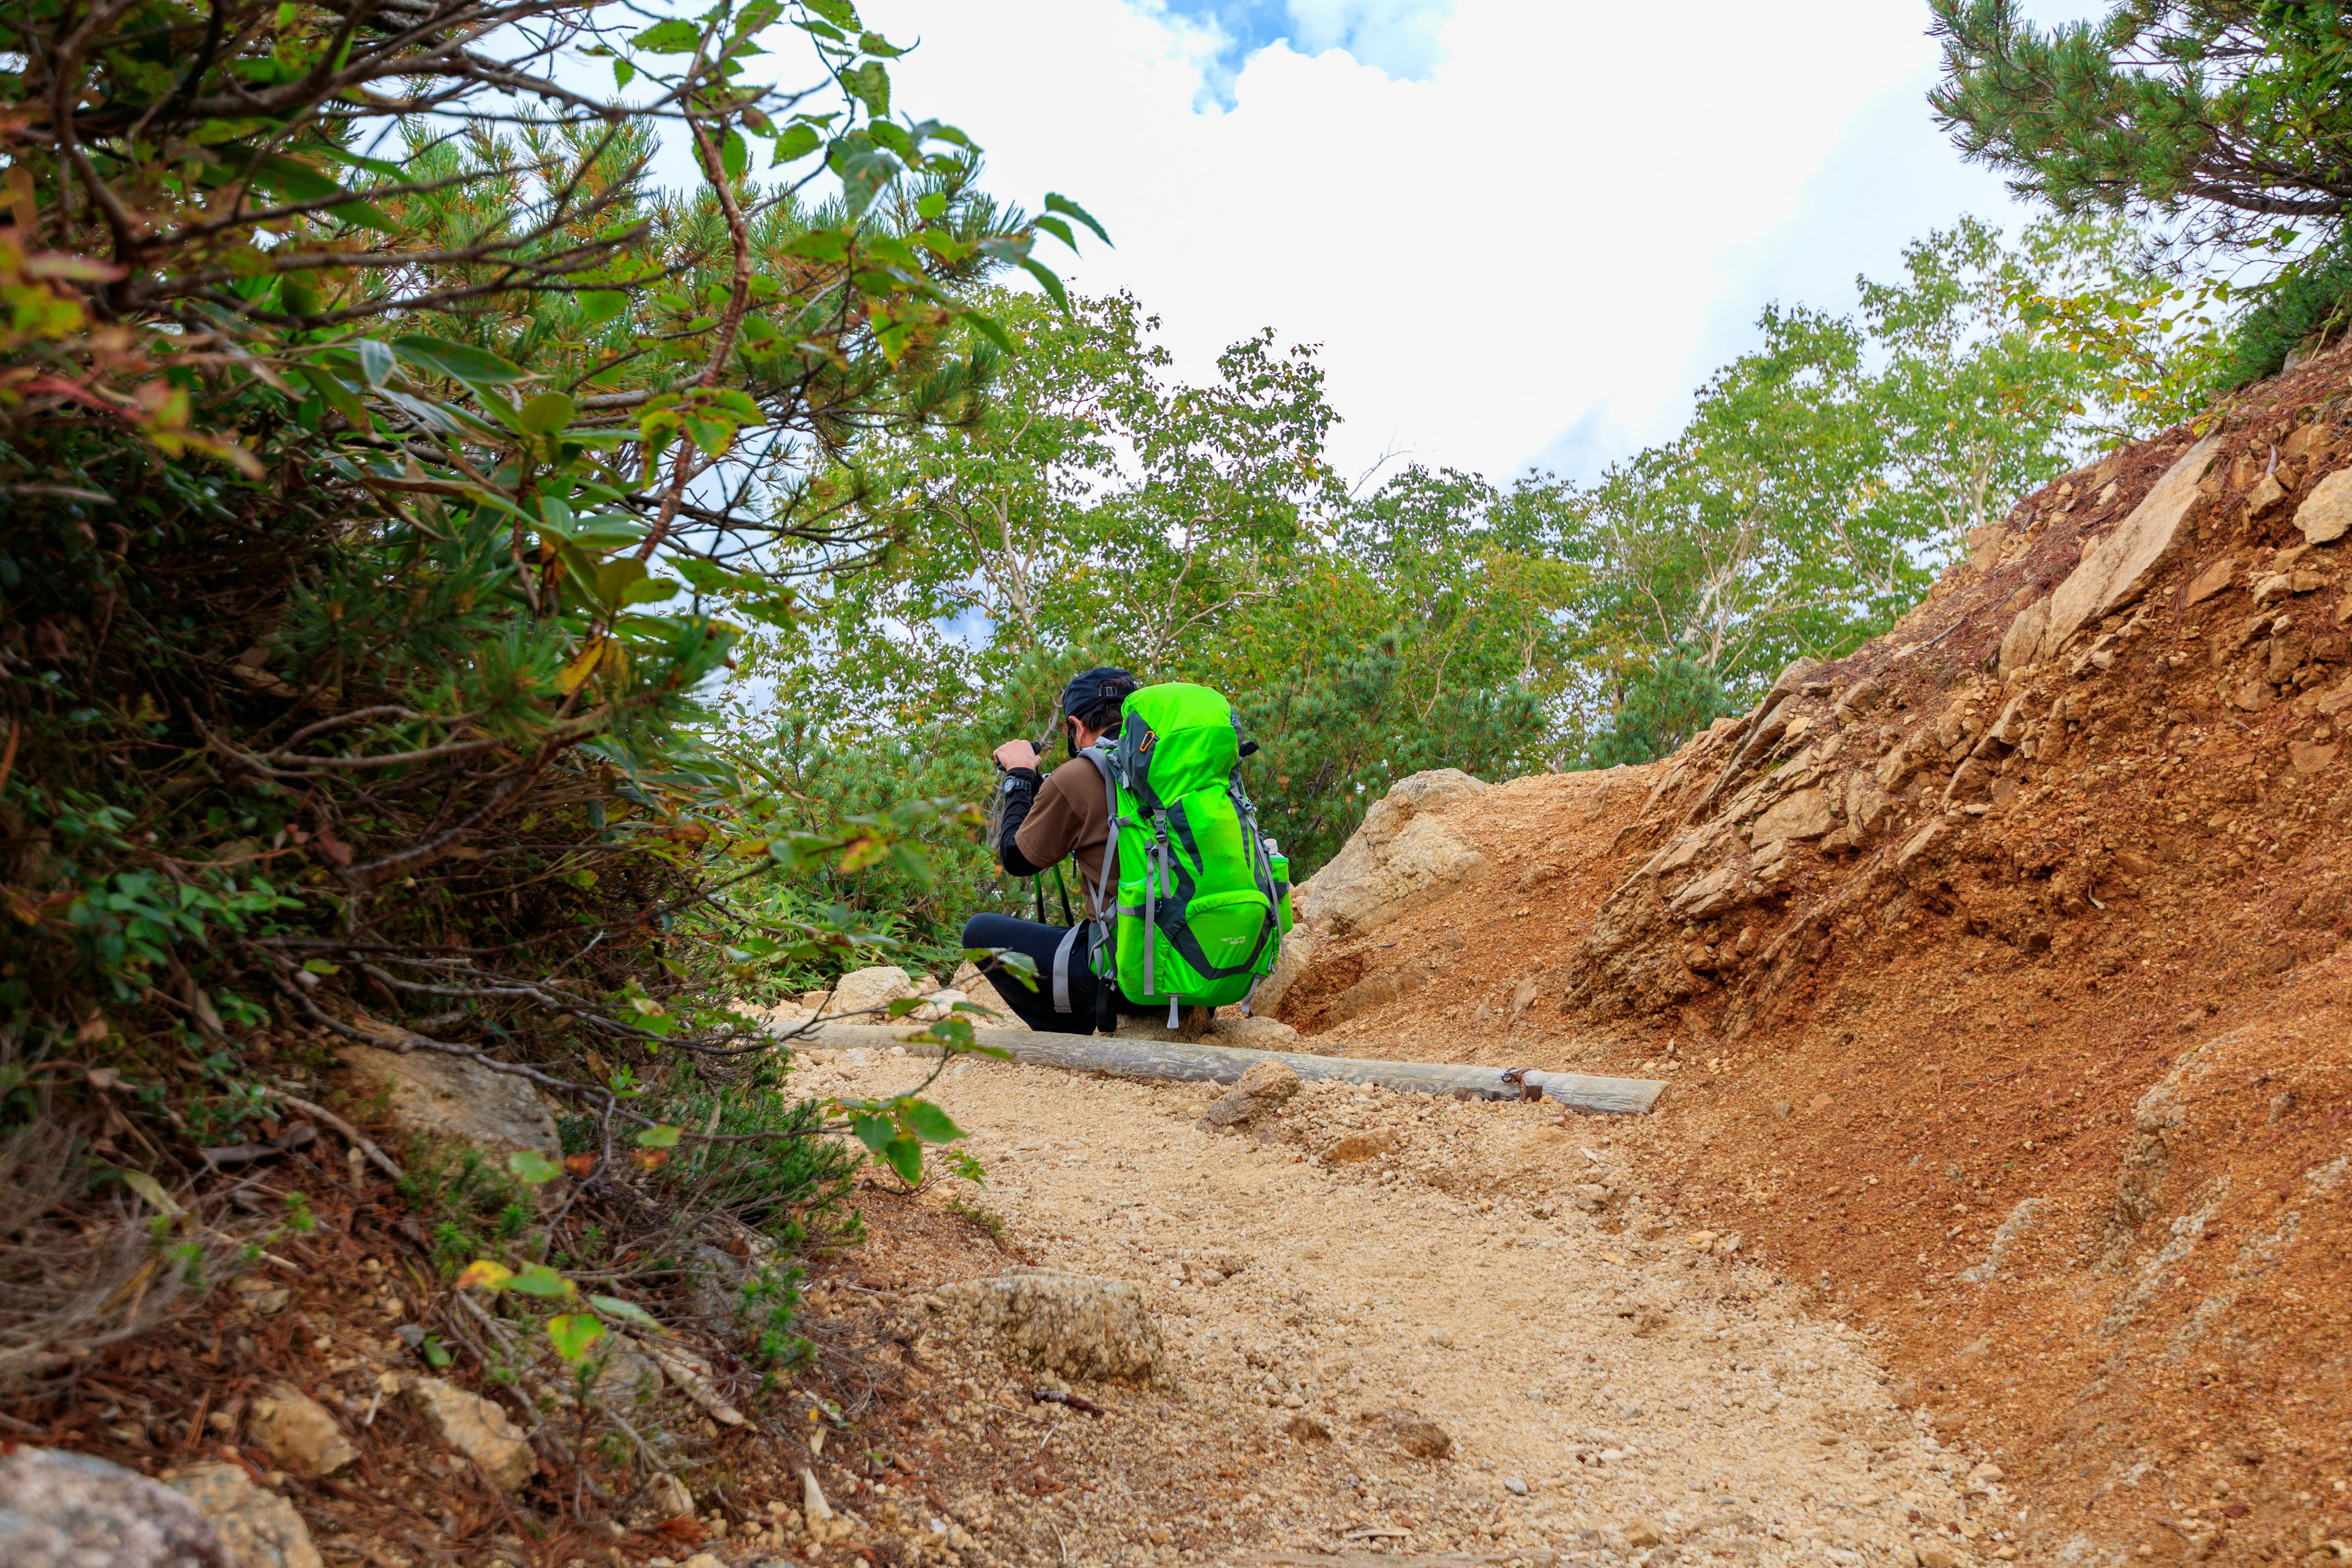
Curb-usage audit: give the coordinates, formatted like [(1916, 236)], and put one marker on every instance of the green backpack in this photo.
[(1202, 901)]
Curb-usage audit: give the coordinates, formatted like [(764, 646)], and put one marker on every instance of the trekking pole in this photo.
[(996, 815)]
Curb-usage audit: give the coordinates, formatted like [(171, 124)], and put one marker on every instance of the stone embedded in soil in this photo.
[(441, 1096), (296, 1433), (670, 1497), (259, 1528), (1255, 1032), (1266, 1086), (1933, 1554), (1359, 1146), (1073, 1324), (1641, 1532), (63, 1508), (476, 1428), (1414, 1434)]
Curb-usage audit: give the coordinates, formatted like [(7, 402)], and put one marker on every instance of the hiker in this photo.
[(1192, 908), (1067, 813)]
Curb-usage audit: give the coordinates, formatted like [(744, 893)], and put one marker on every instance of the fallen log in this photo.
[(1182, 1061)]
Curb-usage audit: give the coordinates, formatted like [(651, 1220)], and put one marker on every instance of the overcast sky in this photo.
[(1523, 233)]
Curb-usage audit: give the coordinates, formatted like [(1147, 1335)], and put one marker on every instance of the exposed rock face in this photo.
[(476, 1428), (298, 1434), (260, 1527), (1071, 1324), (1808, 814), (2118, 569), (442, 1096), (63, 1509)]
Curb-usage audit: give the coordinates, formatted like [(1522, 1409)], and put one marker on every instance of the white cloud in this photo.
[(1515, 230)]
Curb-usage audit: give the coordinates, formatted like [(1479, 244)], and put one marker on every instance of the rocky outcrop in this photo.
[(2117, 569), (71, 1510)]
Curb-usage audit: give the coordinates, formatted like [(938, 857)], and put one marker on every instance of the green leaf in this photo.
[(1047, 279), (670, 38), (929, 1123), (870, 84), (539, 1281), (658, 1138), (531, 1167), (1060, 203), (874, 1132), (546, 413), (458, 362), (627, 1312), (624, 73), (819, 245), (797, 143), (320, 966), (876, 44), (648, 591), (734, 155), (375, 360), (905, 1157), (575, 1334)]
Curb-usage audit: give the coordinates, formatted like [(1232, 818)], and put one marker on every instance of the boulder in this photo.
[(869, 992), (2325, 514), (260, 1527), (2119, 568), (476, 1428), (296, 1433), (1404, 855), (1266, 1086), (76, 1511), (437, 1095), (1071, 1324)]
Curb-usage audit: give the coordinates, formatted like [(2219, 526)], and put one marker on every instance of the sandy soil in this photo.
[(1615, 1386)]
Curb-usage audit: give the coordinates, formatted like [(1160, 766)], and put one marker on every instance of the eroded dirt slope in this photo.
[(1998, 969)]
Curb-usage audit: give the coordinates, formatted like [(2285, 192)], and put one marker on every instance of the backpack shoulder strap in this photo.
[(1099, 756)]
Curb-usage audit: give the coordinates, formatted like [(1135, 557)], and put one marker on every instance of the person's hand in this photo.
[(1016, 755)]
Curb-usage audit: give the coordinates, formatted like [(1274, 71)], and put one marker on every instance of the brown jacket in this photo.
[(1071, 815)]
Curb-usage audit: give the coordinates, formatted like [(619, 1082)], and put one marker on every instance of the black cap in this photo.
[(1089, 690)]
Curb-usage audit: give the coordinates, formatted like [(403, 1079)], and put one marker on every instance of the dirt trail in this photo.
[(1610, 1386)]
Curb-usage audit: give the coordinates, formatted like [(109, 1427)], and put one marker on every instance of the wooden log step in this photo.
[(1182, 1061)]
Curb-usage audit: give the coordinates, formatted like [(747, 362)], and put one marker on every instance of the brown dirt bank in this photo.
[(2001, 976)]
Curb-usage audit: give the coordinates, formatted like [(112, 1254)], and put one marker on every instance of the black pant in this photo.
[(1043, 943)]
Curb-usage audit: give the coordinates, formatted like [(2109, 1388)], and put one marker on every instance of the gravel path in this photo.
[(1616, 1387)]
